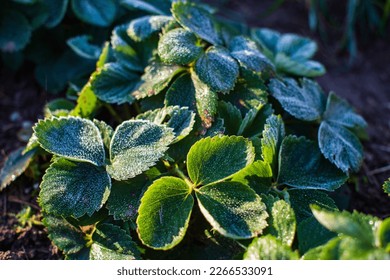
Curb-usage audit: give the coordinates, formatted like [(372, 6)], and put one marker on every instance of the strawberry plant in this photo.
[(195, 138)]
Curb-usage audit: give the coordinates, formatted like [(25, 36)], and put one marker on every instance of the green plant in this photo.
[(221, 140)]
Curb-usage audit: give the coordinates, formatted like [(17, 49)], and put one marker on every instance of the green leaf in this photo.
[(87, 103), (307, 240), (254, 121), (340, 146), (15, 31), (197, 20), (233, 209), (14, 165), (273, 135), (110, 242), (302, 199), (269, 248), (58, 107), (383, 234), (125, 198), (144, 27), (282, 222), (267, 39), (114, 83), (156, 78), (305, 101), (57, 10), (257, 175), (231, 116), (105, 56), (68, 238), (182, 93), (95, 12), (180, 119), (301, 165), (73, 188), (340, 112), (164, 213), (81, 46), (357, 225), (136, 146), (246, 52), (159, 7), (106, 132), (218, 158), (297, 47), (71, 137), (386, 186), (179, 46), (307, 68), (217, 69), (206, 101)]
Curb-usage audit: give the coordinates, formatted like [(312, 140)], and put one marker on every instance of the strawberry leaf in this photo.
[(164, 213), (233, 209), (144, 27), (95, 12), (269, 248)]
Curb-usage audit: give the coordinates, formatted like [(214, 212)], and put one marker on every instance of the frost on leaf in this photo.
[(73, 188), (144, 27), (136, 146), (71, 137), (269, 248), (233, 209)]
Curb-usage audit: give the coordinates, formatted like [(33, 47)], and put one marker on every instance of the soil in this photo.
[(366, 85)]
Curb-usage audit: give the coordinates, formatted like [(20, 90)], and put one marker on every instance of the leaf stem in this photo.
[(113, 113)]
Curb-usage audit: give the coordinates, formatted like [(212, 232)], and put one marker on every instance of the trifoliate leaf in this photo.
[(267, 39), (233, 209), (246, 52), (15, 31), (273, 135), (340, 112), (340, 146), (386, 187), (206, 101), (15, 164), (354, 224), (135, 146), (156, 78), (197, 20), (87, 103), (114, 83), (180, 119), (63, 234), (73, 188), (257, 175), (308, 68), (73, 138), (217, 69), (144, 27), (305, 101), (282, 222), (301, 165), (57, 10), (302, 199), (125, 198), (110, 242), (81, 46), (269, 248), (164, 213), (179, 46), (106, 132), (231, 116), (125, 49), (217, 158), (307, 240), (95, 12), (159, 7)]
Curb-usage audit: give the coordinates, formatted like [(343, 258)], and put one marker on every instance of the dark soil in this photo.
[(366, 85)]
